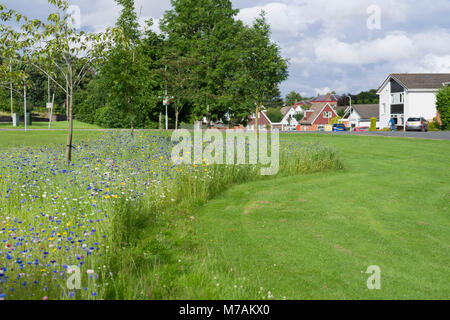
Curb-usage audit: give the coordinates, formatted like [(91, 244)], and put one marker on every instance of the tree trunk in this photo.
[(176, 119), (160, 121), (256, 120), (132, 128), (70, 118), (67, 98)]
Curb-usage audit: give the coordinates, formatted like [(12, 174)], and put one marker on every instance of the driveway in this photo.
[(435, 135)]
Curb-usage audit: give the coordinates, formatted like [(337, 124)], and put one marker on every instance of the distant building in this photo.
[(330, 98), (263, 122), (406, 95), (317, 116), (359, 115)]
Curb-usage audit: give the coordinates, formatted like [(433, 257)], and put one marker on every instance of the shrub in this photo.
[(434, 125), (373, 124), (108, 117), (443, 106)]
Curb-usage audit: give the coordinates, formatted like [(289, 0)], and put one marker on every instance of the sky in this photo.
[(332, 45)]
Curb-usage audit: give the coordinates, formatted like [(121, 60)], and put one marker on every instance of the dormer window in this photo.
[(327, 115)]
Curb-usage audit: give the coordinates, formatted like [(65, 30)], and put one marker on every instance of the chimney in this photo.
[(328, 97)]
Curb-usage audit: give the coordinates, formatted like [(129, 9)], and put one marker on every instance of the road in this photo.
[(435, 135)]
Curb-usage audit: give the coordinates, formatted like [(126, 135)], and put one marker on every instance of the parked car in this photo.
[(361, 129), (339, 127), (419, 124)]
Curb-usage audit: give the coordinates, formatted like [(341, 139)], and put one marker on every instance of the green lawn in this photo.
[(39, 137), (313, 237), (54, 125)]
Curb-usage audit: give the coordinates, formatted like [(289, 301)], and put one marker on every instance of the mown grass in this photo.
[(59, 125), (314, 236)]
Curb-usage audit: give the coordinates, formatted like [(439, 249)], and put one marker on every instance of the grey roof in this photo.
[(324, 97), (421, 80), (285, 110), (367, 111)]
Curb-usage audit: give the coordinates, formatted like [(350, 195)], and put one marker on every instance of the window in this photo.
[(402, 96), (383, 108), (327, 115)]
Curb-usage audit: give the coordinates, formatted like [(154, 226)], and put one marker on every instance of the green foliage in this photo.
[(443, 106), (368, 97), (341, 113), (335, 120), (293, 97), (373, 124), (299, 117), (434, 125), (232, 66), (274, 115), (110, 117)]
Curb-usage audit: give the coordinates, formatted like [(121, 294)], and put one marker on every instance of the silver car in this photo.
[(417, 124)]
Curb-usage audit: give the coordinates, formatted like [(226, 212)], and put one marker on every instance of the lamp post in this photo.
[(25, 105)]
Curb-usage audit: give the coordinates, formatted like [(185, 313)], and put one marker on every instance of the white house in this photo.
[(406, 95), (359, 115), (289, 117)]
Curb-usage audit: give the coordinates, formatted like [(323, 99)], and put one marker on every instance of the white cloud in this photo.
[(321, 91)]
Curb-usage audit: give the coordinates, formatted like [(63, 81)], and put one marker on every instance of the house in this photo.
[(330, 98), (359, 115), (405, 95), (289, 120), (317, 116), (263, 122)]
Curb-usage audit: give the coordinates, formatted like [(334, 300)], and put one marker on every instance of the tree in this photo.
[(180, 77), (368, 97), (263, 68), (341, 112), (57, 50), (274, 115), (121, 69), (443, 106), (299, 117), (206, 30), (293, 97)]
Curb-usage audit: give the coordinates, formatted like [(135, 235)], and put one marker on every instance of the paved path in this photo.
[(435, 135)]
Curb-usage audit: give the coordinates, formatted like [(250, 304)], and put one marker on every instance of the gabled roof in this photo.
[(316, 109), (367, 111), (326, 98), (413, 81), (285, 110)]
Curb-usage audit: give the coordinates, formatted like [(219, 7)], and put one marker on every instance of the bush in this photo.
[(335, 120), (443, 106), (109, 117), (373, 124), (434, 125)]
